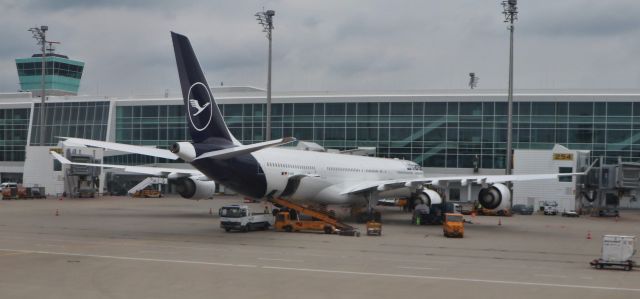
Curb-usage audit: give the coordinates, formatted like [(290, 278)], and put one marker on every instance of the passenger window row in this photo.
[(286, 165)]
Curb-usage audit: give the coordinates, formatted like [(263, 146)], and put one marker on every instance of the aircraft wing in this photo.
[(135, 149), (155, 171), (478, 179)]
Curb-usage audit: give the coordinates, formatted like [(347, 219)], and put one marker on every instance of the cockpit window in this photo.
[(413, 166)]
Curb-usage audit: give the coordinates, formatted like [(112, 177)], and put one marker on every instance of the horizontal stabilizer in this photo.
[(155, 171), (244, 149), (134, 149)]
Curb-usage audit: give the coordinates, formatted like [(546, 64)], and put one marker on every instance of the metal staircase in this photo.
[(146, 182)]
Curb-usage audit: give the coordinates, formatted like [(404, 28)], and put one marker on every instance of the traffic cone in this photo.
[(499, 221), (57, 213), (210, 211), (588, 235)]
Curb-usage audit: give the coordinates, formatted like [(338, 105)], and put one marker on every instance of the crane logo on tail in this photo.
[(199, 107), (195, 104)]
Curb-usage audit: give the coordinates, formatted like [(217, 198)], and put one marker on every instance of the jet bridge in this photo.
[(607, 184), (80, 180)]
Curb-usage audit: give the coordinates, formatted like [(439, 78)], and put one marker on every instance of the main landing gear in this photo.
[(369, 213)]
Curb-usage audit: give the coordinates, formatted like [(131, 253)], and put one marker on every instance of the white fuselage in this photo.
[(324, 176)]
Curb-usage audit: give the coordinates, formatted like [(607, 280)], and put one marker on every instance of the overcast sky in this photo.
[(330, 45)]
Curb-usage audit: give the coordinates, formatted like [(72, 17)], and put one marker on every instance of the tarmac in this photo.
[(119, 247)]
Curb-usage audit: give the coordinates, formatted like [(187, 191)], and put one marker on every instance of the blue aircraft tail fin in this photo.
[(205, 121)]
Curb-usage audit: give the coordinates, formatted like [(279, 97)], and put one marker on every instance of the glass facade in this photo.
[(159, 125), (447, 134), (72, 119), (14, 129), (156, 125)]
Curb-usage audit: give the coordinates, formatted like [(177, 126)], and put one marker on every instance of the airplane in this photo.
[(263, 170)]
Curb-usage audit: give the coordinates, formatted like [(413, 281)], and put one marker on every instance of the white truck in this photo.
[(240, 217), (550, 208)]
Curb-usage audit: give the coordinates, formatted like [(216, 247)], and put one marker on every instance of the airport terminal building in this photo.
[(444, 130)]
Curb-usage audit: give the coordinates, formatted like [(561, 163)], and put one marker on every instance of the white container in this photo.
[(617, 248)]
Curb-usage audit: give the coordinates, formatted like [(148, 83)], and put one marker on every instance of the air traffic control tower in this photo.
[(62, 75)]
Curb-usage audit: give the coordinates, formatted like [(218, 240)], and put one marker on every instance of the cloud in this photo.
[(332, 44), (591, 18)]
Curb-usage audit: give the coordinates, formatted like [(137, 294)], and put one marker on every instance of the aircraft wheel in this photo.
[(328, 230)]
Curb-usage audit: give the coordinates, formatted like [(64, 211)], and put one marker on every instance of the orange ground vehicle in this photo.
[(488, 212), (453, 225), (289, 220), (146, 193), (374, 228), (285, 222)]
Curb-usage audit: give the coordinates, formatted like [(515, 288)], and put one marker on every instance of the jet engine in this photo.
[(184, 150), (428, 197), (192, 188), (494, 196)]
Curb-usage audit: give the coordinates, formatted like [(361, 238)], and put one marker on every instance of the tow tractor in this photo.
[(289, 220), (453, 225), (374, 228)]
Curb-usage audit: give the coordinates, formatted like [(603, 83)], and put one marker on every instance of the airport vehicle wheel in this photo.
[(288, 229), (245, 228), (227, 229), (327, 230)]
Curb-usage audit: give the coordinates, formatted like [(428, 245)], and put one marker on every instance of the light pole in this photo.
[(40, 35), (510, 13), (265, 18)]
